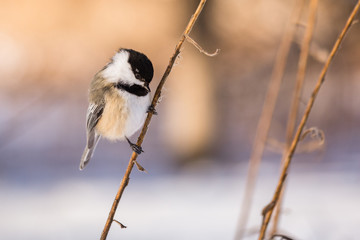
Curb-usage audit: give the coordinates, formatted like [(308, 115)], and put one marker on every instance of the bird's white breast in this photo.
[(137, 112), (123, 115)]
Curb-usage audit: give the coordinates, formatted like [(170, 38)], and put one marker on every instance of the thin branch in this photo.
[(155, 100), (316, 51), (139, 167), (315, 133), (121, 225), (198, 47), (265, 118), (317, 143), (305, 117), (281, 236), (294, 109)]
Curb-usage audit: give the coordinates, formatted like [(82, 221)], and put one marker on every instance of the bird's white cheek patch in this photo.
[(119, 68)]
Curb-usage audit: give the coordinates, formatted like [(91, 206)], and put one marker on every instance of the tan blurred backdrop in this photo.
[(49, 51)]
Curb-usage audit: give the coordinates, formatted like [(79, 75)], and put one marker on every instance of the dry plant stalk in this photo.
[(317, 142), (268, 210), (155, 100), (300, 76), (198, 47), (265, 118)]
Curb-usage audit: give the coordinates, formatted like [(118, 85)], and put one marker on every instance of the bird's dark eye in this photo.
[(137, 75)]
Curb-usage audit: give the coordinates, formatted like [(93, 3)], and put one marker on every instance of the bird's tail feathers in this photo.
[(87, 154), (85, 157)]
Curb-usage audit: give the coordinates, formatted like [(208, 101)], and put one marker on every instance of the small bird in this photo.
[(119, 99)]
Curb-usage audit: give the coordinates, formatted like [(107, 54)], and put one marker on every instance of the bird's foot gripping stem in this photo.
[(134, 147)]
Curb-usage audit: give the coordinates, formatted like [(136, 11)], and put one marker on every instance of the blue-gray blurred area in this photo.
[(197, 147)]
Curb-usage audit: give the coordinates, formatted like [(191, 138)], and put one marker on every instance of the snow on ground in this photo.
[(187, 205)]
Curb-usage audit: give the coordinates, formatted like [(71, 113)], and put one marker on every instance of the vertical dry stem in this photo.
[(300, 76), (265, 119), (157, 94), (321, 79)]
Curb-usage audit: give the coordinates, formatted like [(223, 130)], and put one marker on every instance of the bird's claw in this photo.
[(137, 149), (134, 147)]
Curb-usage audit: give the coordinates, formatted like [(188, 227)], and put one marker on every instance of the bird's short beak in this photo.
[(146, 85)]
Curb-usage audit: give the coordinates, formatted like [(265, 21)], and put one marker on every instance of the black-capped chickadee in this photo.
[(118, 100)]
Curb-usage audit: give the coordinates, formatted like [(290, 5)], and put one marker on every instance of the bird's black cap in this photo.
[(140, 64)]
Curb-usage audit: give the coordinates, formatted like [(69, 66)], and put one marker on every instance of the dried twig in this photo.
[(314, 133), (265, 119), (121, 225), (155, 100), (300, 76), (304, 119), (316, 51), (281, 236), (198, 47), (317, 142)]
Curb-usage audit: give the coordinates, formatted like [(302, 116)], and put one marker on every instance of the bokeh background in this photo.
[(197, 148)]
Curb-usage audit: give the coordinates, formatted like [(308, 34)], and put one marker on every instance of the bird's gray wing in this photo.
[(92, 118)]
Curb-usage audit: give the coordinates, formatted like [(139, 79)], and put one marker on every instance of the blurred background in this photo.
[(197, 148)]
